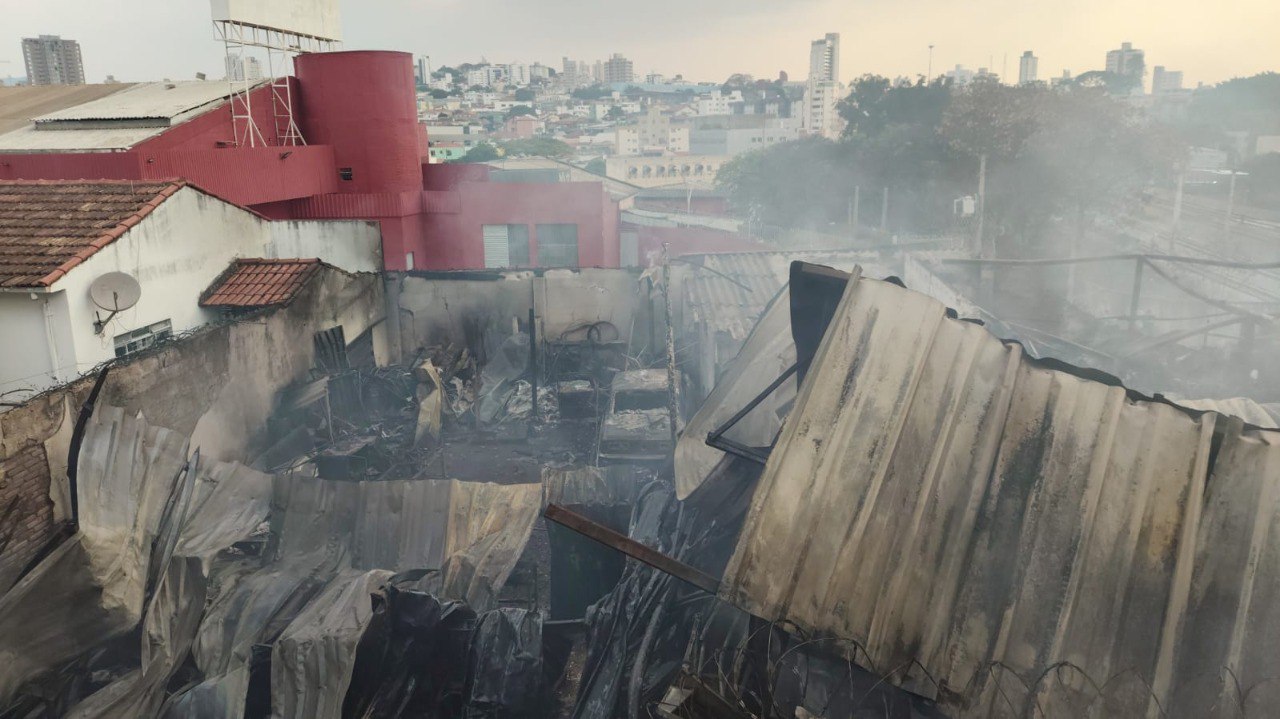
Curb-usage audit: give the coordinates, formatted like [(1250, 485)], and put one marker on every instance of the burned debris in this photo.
[(878, 509)]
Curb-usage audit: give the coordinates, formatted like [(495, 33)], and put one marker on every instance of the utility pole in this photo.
[(1177, 214), (928, 77), (884, 211), (857, 198), (673, 409), (1231, 199), (982, 201)]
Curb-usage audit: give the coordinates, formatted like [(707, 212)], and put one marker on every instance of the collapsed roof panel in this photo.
[(971, 517)]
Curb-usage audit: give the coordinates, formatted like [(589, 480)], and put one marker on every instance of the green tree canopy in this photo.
[(481, 152), (525, 94), (518, 110), (538, 147)]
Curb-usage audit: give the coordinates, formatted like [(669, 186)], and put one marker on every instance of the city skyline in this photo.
[(716, 39)]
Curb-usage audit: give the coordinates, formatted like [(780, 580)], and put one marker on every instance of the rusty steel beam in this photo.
[(631, 548)]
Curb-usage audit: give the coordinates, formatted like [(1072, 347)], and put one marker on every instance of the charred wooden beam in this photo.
[(631, 548)]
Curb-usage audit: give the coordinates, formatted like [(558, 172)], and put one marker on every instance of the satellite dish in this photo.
[(115, 291)]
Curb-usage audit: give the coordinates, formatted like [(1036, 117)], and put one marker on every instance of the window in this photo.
[(131, 343), (345, 174), (408, 260), (506, 246), (558, 245)]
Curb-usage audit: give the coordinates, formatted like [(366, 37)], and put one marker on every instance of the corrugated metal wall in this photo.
[(1013, 538)]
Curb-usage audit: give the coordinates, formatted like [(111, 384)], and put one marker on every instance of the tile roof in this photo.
[(256, 282), (49, 226)]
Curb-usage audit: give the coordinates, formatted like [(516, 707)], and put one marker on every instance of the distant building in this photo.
[(1163, 81), (538, 71), (618, 69), (960, 76), (52, 61), (985, 74), (1028, 66), (242, 67), (1065, 79), (823, 89), (718, 102), (824, 59), (518, 74), (1126, 61), (421, 76)]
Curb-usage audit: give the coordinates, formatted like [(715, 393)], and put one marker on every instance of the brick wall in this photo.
[(26, 512)]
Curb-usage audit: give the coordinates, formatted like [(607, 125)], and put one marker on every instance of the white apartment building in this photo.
[(718, 103)]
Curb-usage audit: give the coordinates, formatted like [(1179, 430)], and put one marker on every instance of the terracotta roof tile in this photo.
[(47, 227), (250, 283)]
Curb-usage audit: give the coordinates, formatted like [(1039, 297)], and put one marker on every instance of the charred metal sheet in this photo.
[(767, 353), (1011, 537), (408, 524)]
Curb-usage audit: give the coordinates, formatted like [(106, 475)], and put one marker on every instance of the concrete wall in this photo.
[(440, 309), (351, 245), (219, 385)]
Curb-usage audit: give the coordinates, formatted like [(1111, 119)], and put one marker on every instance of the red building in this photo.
[(365, 157)]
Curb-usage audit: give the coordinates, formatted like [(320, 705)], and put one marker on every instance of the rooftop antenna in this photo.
[(928, 77)]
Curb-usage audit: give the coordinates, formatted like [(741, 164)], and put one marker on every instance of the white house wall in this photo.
[(351, 245), (25, 362), (175, 253)]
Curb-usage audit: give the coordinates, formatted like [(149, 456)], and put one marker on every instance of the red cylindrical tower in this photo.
[(363, 104)]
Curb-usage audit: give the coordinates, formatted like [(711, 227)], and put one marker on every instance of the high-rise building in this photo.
[(1028, 65), (243, 67), (420, 71), (1163, 80), (823, 89), (824, 58), (52, 61), (1126, 61), (538, 71), (618, 69)]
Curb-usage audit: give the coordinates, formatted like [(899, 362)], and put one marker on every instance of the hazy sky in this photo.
[(703, 39)]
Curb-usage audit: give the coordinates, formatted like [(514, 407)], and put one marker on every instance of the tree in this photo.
[(518, 110), (1111, 82), (439, 94), (806, 183), (481, 152), (875, 103), (615, 113), (525, 94), (596, 166), (538, 147)]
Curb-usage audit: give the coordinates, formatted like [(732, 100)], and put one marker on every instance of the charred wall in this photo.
[(457, 307), (218, 383)]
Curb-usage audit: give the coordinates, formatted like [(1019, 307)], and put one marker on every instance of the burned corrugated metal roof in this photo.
[(1242, 407), (49, 226), (732, 289), (258, 282), (1010, 536)]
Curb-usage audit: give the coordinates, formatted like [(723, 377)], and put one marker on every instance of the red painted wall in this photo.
[(363, 104), (455, 240)]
